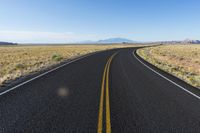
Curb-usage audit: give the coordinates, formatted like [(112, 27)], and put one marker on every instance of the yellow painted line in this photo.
[(100, 117), (108, 123)]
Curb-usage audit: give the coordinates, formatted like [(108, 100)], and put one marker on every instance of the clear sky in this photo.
[(78, 20)]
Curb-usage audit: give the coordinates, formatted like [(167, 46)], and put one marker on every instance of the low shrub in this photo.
[(57, 57)]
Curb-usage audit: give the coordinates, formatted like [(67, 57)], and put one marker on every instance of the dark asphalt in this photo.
[(67, 100)]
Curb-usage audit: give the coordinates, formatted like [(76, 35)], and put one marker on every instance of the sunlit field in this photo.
[(17, 61), (182, 61)]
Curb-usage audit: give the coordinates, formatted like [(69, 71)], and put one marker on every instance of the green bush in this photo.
[(20, 66), (57, 57)]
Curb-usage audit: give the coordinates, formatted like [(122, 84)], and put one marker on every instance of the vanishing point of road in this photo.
[(109, 91)]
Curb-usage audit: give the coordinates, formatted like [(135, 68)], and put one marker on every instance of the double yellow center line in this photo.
[(105, 85)]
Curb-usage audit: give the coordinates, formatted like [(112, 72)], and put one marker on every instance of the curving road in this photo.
[(111, 91)]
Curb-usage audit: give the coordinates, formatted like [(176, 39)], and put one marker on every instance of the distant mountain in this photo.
[(7, 43), (116, 40)]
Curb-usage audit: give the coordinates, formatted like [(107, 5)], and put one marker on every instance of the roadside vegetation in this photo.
[(17, 61), (183, 61)]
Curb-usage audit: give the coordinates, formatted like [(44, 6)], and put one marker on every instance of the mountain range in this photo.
[(123, 40), (110, 40), (116, 40)]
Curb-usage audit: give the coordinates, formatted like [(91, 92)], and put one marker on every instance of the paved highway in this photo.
[(111, 91)]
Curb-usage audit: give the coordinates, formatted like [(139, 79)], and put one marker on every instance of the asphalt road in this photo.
[(110, 91)]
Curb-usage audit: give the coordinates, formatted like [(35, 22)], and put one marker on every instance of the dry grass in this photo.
[(182, 61), (17, 61)]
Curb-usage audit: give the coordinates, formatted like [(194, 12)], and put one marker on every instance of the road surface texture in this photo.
[(110, 91)]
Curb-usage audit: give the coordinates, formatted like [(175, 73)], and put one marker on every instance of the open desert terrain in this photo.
[(182, 61), (17, 61)]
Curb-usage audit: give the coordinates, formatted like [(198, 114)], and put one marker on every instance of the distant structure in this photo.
[(187, 41), (191, 41)]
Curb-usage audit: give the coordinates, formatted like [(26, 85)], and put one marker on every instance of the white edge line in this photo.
[(166, 77), (84, 56)]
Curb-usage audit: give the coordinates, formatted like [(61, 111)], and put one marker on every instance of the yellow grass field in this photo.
[(182, 61), (17, 61)]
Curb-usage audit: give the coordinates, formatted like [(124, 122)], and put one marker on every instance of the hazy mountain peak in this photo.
[(7, 43), (116, 40)]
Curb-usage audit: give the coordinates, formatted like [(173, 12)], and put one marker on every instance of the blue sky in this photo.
[(50, 21)]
